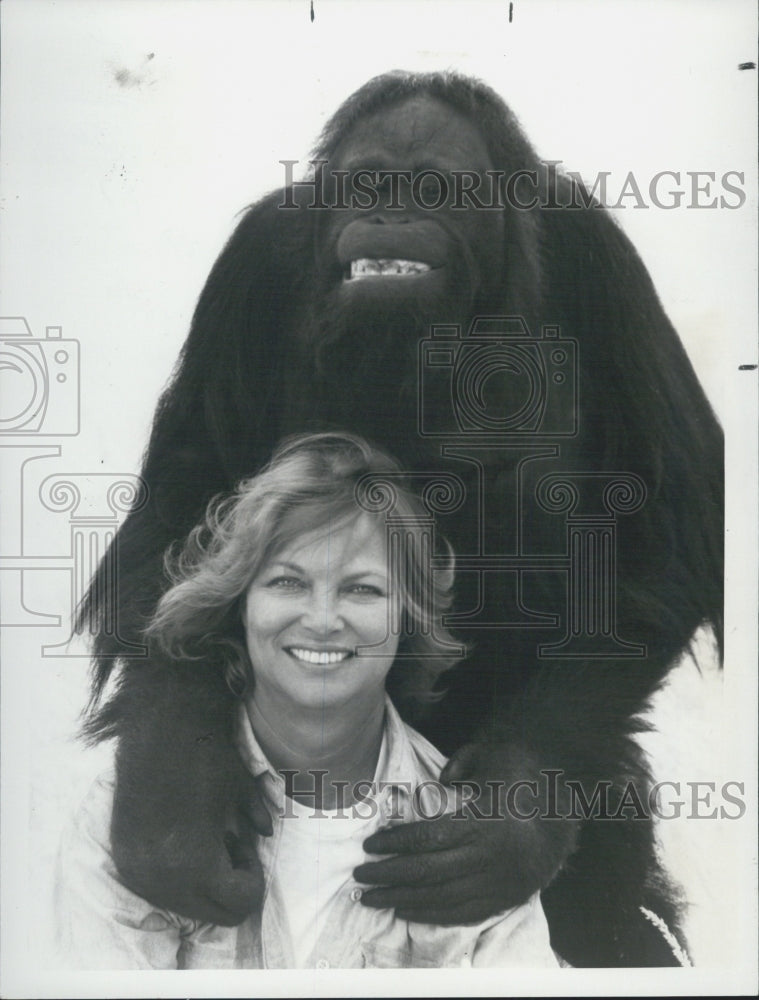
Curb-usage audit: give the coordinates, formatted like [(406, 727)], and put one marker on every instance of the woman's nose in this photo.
[(321, 614)]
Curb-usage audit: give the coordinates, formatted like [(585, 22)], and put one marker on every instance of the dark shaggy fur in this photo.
[(270, 352)]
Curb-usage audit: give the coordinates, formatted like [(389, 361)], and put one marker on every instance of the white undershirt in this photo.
[(315, 863)]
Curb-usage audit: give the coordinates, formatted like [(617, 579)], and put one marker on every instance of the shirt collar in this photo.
[(249, 748), (397, 755)]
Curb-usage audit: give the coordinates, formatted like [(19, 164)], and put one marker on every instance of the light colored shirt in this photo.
[(312, 915), (317, 852)]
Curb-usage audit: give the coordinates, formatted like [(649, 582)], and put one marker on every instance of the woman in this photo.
[(314, 587)]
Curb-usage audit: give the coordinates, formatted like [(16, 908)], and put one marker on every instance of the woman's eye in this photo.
[(365, 590), (285, 583)]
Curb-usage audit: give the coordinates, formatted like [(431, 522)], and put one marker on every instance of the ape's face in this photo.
[(388, 272), (410, 256)]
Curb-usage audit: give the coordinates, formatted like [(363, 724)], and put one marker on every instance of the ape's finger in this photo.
[(470, 913), (255, 810), (224, 895), (241, 849), (417, 838), (260, 817), (236, 893), (455, 894), (462, 764), (417, 870)]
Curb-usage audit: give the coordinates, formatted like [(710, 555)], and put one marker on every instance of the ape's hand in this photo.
[(207, 871), (463, 868), (183, 835)]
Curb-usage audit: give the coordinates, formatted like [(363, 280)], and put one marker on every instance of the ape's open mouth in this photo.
[(370, 267)]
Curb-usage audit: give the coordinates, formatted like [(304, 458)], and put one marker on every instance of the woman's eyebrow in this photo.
[(283, 564), (382, 574), (279, 564)]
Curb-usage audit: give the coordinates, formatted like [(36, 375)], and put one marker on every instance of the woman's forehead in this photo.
[(355, 543)]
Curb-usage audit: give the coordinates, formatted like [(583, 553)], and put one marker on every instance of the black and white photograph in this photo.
[(378, 443)]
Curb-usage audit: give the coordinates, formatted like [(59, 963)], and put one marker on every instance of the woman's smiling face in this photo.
[(312, 605)]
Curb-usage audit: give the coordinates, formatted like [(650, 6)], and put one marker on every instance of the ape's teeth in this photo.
[(365, 267), (319, 657)]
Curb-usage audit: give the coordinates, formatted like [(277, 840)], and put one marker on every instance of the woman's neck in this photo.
[(344, 741)]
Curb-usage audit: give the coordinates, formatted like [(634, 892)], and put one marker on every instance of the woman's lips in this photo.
[(318, 657)]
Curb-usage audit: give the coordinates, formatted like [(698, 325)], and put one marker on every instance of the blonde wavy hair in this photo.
[(312, 482)]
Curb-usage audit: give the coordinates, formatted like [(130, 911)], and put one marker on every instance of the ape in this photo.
[(312, 319)]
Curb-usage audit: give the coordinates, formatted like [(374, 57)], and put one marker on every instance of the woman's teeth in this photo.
[(323, 657)]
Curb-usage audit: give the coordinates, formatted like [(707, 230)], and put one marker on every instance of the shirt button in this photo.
[(322, 964), (356, 894)]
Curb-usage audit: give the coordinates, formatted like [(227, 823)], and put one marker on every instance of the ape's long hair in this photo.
[(242, 381)]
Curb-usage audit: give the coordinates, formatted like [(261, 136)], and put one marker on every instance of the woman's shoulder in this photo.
[(91, 819), (85, 858), (101, 924), (428, 759)]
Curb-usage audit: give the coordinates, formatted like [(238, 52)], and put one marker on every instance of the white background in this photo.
[(133, 131)]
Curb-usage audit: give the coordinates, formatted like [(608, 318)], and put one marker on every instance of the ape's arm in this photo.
[(186, 814), (572, 724), (649, 416)]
